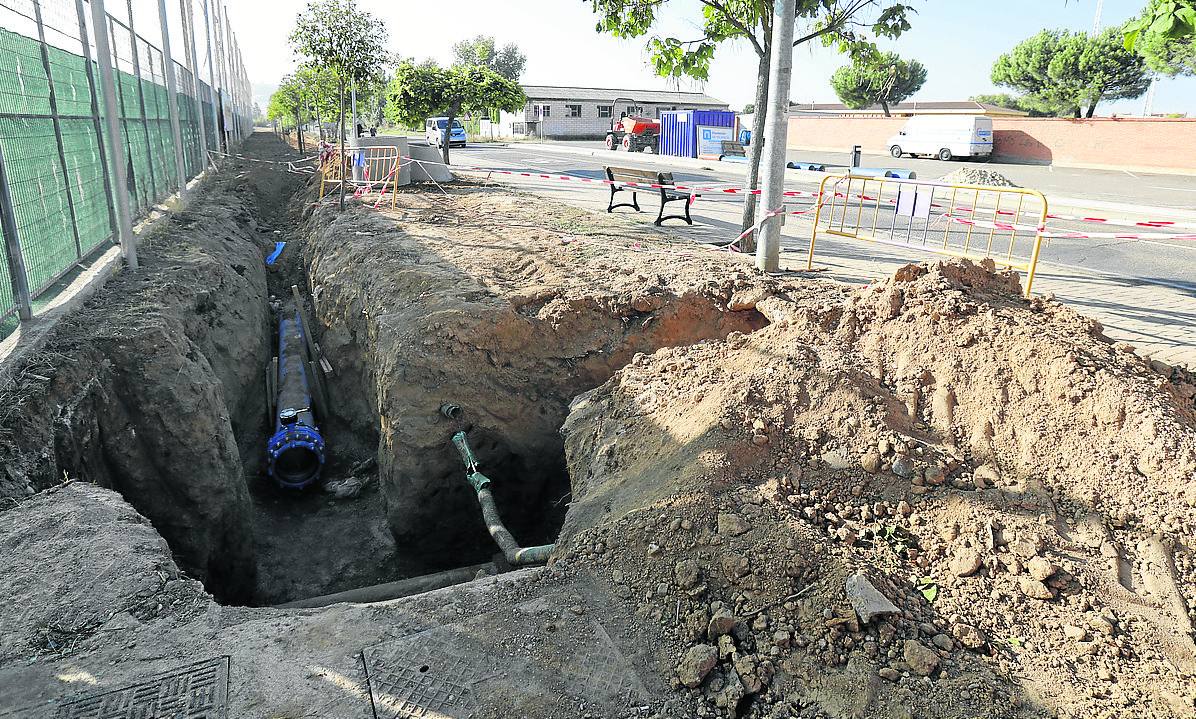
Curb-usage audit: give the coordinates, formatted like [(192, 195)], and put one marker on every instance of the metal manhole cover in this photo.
[(195, 691)]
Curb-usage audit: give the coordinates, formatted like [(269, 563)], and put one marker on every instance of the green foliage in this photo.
[(928, 587), (839, 23), (1171, 52), (286, 101), (507, 61), (1161, 23), (878, 77), (347, 41), (749, 109), (1060, 72), (427, 90)]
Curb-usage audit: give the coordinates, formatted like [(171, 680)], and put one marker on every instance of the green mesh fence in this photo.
[(56, 150)]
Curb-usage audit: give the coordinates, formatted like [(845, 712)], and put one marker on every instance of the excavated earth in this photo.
[(771, 496)]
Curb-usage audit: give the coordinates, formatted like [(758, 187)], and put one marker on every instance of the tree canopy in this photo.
[(507, 61), (1061, 72), (427, 90), (878, 77), (1165, 36)]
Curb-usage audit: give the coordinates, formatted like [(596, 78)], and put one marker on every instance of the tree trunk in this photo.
[(884, 105), (1076, 113), (758, 121), (454, 108), (1092, 108), (299, 129), (341, 127)]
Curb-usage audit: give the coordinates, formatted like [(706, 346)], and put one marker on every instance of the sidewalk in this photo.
[(1120, 210), (1159, 321)]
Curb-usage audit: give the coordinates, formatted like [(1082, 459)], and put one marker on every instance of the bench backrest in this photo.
[(731, 147), (632, 174)]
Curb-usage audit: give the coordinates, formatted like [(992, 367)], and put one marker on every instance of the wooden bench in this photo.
[(732, 148), (620, 176)]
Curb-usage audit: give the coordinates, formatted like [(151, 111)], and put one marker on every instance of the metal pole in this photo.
[(207, 36), (12, 247), (149, 146), (66, 176), (120, 189), (95, 116), (172, 91), (780, 75), (185, 8)]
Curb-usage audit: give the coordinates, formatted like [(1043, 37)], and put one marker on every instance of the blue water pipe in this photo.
[(295, 452)]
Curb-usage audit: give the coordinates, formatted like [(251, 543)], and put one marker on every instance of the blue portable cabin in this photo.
[(695, 133)]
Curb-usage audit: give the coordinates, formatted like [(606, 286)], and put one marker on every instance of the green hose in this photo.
[(515, 554)]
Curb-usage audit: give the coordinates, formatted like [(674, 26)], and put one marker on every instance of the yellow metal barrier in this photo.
[(968, 221), (379, 167)]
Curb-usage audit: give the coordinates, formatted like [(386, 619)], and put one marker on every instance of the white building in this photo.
[(587, 112)]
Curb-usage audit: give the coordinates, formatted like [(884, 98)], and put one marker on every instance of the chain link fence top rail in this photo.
[(51, 133)]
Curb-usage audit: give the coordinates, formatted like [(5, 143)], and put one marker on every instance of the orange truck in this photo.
[(634, 133)]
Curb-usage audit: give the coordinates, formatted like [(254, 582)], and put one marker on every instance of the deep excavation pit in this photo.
[(158, 387)]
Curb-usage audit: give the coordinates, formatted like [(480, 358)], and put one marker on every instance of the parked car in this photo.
[(434, 132), (944, 137)]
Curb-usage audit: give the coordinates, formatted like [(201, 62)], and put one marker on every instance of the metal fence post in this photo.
[(189, 40), (207, 36), (66, 178), (12, 248), (95, 118), (172, 91), (149, 146), (120, 189)]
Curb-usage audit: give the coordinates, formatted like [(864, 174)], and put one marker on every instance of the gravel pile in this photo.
[(976, 176)]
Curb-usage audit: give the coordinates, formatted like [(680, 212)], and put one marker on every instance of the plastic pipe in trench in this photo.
[(502, 537), (296, 450)]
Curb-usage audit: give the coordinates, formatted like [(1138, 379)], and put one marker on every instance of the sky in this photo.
[(957, 41)]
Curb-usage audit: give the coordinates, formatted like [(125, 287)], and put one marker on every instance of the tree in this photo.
[(287, 103), (1061, 72), (428, 90), (348, 42), (880, 77), (838, 23), (507, 61), (749, 109)]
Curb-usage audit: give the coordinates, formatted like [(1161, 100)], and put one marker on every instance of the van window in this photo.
[(442, 122)]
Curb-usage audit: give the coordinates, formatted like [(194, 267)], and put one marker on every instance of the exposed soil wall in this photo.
[(146, 388), (507, 306)]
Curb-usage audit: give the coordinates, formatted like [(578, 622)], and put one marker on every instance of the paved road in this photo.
[(1171, 263), (1144, 294), (1139, 188)]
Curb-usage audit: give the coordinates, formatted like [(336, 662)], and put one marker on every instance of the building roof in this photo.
[(952, 107), (605, 94)]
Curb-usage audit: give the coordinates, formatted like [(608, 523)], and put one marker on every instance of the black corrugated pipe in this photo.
[(502, 537)]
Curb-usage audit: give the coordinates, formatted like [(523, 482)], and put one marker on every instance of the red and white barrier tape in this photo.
[(1048, 233)]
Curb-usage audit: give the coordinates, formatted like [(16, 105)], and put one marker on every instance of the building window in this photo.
[(543, 110), (572, 110), (634, 110), (605, 110)]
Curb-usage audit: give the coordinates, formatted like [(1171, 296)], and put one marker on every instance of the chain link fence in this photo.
[(59, 198)]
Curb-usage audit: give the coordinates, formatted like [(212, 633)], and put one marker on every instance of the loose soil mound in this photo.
[(1020, 488)]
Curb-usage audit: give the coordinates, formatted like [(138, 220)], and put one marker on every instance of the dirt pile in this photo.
[(1020, 489), (507, 306), (147, 387), (976, 176)]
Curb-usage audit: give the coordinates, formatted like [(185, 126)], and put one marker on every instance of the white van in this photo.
[(944, 137)]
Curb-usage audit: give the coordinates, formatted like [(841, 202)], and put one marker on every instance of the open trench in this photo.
[(165, 399)]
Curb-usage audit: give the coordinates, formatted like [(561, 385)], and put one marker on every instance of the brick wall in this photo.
[(1122, 143)]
